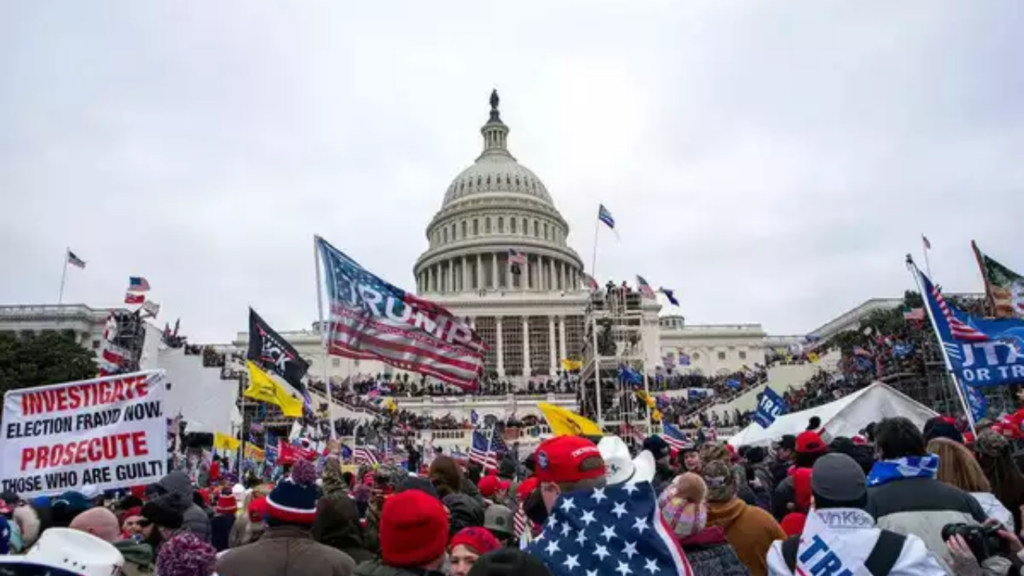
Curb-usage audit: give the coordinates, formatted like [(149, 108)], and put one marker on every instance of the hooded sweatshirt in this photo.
[(749, 529), (177, 491), (337, 525)]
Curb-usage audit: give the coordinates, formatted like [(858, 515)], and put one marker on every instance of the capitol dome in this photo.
[(495, 210)]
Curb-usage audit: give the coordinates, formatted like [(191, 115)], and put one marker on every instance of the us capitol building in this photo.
[(530, 320)]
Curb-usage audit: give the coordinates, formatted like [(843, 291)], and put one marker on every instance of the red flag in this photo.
[(130, 298)]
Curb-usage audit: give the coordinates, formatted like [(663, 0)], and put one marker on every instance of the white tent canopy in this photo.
[(844, 417)]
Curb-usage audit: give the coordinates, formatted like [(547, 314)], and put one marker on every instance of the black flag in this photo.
[(273, 353)]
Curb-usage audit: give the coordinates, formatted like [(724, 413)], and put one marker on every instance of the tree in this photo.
[(49, 358)]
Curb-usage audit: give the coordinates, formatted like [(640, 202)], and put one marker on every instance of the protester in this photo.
[(139, 558), (958, 468), (749, 530), (500, 521), (337, 521), (509, 562), (567, 463), (223, 521), (176, 491), (413, 537), (904, 495), (99, 522), (160, 521), (65, 551), (840, 533), (684, 506), (662, 452), (808, 447), (287, 548), (467, 546), (783, 458), (691, 458), (994, 454)]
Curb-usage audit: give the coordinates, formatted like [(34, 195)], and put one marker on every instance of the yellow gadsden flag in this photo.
[(565, 422), (570, 365), (222, 441), (263, 388)]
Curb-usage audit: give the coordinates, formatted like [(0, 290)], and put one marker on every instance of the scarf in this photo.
[(885, 471)]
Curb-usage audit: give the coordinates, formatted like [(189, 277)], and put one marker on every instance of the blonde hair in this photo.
[(958, 467)]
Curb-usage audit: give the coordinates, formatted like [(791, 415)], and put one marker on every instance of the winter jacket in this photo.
[(469, 489), (220, 531), (139, 559), (377, 568), (710, 554), (783, 495), (922, 506), (663, 475), (749, 530), (285, 551), (337, 525), (176, 490), (993, 508), (859, 533), (464, 511)]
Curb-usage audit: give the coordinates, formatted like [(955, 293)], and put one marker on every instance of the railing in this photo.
[(50, 311)]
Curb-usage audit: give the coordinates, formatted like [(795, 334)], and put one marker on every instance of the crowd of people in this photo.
[(894, 499)]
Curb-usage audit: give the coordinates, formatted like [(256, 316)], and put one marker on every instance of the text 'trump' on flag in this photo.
[(372, 319)]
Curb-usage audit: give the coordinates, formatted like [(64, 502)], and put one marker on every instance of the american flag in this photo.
[(520, 521), (674, 436), (958, 329), (516, 257), (372, 319), (482, 451), (645, 288), (613, 530), (591, 283), (75, 260), (138, 284), (364, 454), (631, 431)]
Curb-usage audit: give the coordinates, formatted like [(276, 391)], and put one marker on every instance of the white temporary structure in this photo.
[(844, 417)]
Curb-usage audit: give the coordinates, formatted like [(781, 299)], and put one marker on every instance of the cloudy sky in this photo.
[(771, 161)]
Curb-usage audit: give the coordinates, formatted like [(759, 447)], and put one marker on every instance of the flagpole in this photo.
[(593, 259), (927, 264), (63, 277), (324, 335), (945, 355)]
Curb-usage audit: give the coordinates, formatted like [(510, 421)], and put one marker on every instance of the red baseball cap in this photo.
[(526, 487), (488, 485), (559, 459), (810, 443)]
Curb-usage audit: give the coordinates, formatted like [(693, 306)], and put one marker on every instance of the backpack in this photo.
[(880, 562)]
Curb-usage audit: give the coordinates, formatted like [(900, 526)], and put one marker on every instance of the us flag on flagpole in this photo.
[(372, 319), (645, 288)]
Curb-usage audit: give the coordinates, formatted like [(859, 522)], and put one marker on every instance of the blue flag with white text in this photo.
[(981, 351), (769, 407)]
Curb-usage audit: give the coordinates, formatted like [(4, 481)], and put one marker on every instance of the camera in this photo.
[(983, 540)]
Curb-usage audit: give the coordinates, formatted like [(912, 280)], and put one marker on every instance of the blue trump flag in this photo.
[(769, 407), (979, 351), (616, 530), (976, 401)]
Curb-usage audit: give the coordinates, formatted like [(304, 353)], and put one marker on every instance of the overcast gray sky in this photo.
[(772, 161)]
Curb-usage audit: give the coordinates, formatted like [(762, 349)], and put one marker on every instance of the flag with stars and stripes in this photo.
[(616, 530), (498, 444), (674, 436), (365, 454), (482, 452), (372, 319), (979, 351), (645, 288)]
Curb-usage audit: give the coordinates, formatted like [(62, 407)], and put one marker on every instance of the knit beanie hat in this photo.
[(478, 539), (684, 517), (991, 443), (413, 530), (186, 555), (940, 427), (159, 512), (416, 483), (99, 522), (509, 562), (293, 501), (721, 482)]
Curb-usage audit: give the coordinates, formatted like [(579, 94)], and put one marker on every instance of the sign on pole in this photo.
[(106, 433)]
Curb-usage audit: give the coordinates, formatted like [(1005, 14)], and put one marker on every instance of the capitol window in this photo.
[(487, 225), (476, 227), (526, 227), (501, 225), (446, 234), (335, 362), (743, 355), (721, 355), (536, 229), (696, 355), (545, 230), (464, 229), (512, 225)]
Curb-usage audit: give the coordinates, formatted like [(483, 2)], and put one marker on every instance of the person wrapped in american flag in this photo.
[(593, 528)]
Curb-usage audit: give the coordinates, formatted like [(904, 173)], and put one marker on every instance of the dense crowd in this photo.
[(894, 499)]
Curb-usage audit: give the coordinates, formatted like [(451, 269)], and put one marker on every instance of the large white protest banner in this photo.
[(106, 433)]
